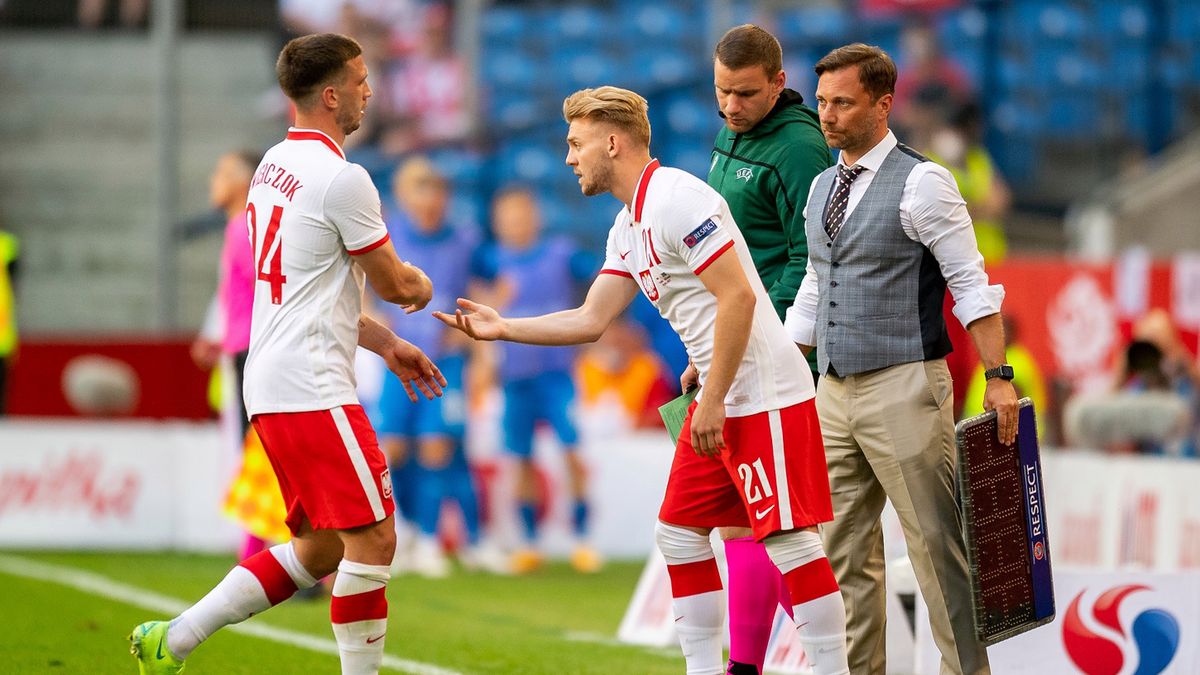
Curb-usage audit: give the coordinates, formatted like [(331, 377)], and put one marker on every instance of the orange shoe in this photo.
[(526, 560), (586, 560)]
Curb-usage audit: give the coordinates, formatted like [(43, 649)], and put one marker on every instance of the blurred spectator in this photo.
[(1157, 360), (1153, 408), (535, 276), (929, 83), (1027, 378), (9, 252), (427, 96), (92, 14), (621, 366), (253, 499), (422, 440), (229, 331), (396, 21), (958, 146)]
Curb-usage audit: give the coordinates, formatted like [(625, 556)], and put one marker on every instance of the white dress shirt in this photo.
[(932, 213)]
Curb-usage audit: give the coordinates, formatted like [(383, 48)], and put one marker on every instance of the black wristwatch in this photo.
[(1002, 371)]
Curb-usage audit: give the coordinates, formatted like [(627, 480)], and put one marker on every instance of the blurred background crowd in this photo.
[(1070, 125)]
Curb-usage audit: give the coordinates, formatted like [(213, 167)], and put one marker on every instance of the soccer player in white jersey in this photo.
[(750, 453), (316, 231)]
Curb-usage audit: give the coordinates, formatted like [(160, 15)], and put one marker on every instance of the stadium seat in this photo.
[(669, 68), (504, 25), (691, 114), (1061, 21), (509, 69), (588, 69), (584, 23), (812, 23), (1122, 20)]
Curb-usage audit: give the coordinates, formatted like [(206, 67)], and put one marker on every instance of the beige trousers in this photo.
[(890, 433)]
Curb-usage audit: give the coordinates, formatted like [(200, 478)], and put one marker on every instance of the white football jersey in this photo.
[(308, 212), (678, 227)]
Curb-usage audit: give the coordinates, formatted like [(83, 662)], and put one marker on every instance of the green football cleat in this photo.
[(148, 643)]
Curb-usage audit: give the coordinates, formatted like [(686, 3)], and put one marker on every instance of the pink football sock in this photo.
[(756, 588), (251, 546)]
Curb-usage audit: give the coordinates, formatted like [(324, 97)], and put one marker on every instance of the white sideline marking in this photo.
[(597, 639), (96, 584)]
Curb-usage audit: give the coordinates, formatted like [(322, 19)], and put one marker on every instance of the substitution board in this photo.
[(1004, 525)]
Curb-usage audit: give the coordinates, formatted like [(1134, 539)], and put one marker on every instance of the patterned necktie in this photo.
[(835, 215)]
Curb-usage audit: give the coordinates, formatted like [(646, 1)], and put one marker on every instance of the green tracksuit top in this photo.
[(764, 174)]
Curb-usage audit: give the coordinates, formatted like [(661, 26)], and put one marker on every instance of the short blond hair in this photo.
[(621, 108)]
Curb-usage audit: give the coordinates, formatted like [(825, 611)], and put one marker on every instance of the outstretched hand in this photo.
[(414, 369), (479, 321)]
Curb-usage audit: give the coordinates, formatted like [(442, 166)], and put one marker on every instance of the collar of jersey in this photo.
[(639, 195), (295, 134)]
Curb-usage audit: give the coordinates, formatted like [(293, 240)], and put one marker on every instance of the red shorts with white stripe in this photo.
[(770, 477), (329, 466)]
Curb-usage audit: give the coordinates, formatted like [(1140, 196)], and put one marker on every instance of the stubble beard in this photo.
[(853, 139), (349, 120), (601, 181)]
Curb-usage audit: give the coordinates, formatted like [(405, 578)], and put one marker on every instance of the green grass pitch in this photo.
[(551, 622)]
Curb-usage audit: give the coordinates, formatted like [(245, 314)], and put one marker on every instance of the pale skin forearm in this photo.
[(988, 335), (606, 299), (568, 327), (373, 335), (731, 334), (1000, 395)]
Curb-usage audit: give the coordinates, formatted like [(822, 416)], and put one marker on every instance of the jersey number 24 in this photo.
[(269, 271)]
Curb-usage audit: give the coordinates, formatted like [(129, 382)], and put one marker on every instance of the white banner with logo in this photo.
[(113, 485), (1107, 623), (1118, 511)]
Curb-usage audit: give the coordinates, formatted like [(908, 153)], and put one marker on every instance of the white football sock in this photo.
[(700, 620), (258, 583), (358, 611)]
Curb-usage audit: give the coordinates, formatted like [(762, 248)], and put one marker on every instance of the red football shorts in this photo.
[(770, 477), (329, 466)]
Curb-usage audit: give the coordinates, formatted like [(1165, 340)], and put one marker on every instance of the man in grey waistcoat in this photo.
[(888, 232)]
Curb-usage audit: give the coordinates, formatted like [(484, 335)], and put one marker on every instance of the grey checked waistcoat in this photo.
[(880, 293)]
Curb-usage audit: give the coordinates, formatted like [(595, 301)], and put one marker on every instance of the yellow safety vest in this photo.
[(8, 304)]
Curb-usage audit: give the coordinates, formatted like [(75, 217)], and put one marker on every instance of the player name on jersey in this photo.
[(277, 177)]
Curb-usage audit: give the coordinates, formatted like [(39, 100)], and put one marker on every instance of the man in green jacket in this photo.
[(764, 161)]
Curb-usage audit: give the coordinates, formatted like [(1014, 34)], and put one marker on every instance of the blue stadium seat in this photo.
[(588, 69), (693, 154), (688, 114), (966, 25), (1062, 21), (504, 24), (668, 67), (661, 23), (529, 163), (815, 23), (1120, 19), (509, 69), (1130, 64), (1071, 116), (581, 23), (1017, 157), (1077, 71), (1183, 21), (517, 112), (466, 209), (463, 168), (1017, 114)]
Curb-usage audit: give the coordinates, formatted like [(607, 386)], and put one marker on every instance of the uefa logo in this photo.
[(1149, 640)]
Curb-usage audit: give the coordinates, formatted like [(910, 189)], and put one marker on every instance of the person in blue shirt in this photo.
[(534, 275), (424, 441)]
